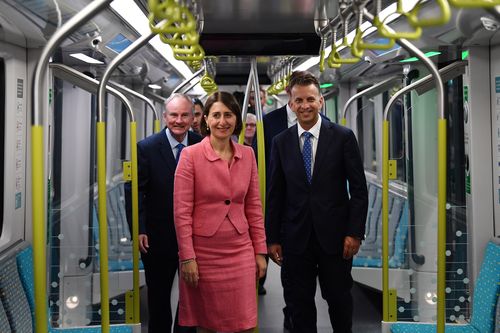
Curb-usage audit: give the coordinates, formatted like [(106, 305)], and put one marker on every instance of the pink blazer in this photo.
[(206, 190)]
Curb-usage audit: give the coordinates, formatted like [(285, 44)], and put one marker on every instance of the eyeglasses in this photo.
[(250, 125)]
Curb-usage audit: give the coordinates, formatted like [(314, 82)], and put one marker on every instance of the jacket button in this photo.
[(227, 202)]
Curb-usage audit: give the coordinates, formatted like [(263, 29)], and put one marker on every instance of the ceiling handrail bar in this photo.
[(364, 92)]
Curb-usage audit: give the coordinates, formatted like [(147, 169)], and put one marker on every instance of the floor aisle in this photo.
[(366, 319)]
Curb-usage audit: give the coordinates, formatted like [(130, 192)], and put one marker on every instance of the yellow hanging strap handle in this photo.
[(358, 45), (475, 3), (336, 59), (208, 83), (195, 52), (384, 32), (415, 21), (322, 52), (333, 53), (178, 18)]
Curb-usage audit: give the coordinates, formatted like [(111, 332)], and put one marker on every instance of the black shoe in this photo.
[(262, 290), (287, 323)]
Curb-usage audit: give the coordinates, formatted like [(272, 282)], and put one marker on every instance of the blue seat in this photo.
[(4, 321), (484, 300), (119, 238), (25, 268), (370, 253)]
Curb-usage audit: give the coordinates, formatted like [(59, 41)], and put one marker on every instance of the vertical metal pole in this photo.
[(141, 41), (441, 241), (37, 161)]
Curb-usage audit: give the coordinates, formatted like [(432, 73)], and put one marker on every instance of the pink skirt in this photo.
[(225, 299)]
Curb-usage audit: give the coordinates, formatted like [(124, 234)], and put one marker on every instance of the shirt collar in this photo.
[(313, 130), (173, 142), (290, 115)]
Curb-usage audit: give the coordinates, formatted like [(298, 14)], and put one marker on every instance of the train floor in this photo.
[(366, 318)]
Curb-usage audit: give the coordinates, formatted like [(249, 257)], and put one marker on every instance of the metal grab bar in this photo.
[(91, 85), (183, 84), (381, 86), (37, 160), (441, 276), (101, 182), (122, 88), (253, 81)]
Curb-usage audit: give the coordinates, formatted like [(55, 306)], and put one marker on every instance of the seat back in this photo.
[(14, 298), (4, 321), (486, 290)]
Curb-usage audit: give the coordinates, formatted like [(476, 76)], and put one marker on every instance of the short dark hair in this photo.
[(302, 78), (230, 102), (196, 101)]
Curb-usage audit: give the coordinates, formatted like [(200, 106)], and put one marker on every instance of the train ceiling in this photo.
[(233, 30)]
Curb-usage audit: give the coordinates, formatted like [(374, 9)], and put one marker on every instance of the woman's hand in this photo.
[(189, 273), (260, 260)]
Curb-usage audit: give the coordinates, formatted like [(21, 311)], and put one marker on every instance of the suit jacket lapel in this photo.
[(166, 150), (325, 135)]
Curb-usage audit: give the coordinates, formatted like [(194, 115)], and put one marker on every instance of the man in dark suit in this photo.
[(157, 158), (317, 204)]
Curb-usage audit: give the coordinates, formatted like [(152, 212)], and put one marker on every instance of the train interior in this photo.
[(247, 44)]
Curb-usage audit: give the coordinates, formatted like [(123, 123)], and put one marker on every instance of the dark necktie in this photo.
[(179, 149), (307, 154)]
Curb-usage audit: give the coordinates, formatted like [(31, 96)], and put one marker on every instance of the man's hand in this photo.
[(351, 247), (143, 243), (275, 253), (261, 264)]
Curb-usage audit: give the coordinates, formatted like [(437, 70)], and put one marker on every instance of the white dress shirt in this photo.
[(291, 117), (173, 142)]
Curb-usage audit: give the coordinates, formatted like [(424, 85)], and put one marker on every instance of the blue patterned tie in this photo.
[(179, 149), (307, 154)]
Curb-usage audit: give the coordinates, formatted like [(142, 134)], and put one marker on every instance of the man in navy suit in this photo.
[(157, 158), (317, 204)]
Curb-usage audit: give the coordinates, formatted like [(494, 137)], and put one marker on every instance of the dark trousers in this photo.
[(160, 272), (335, 281)]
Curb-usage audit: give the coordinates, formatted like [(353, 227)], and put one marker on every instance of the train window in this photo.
[(2, 138), (397, 135), (331, 108), (366, 133)]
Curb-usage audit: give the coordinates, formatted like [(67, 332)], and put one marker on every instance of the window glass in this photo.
[(331, 108)]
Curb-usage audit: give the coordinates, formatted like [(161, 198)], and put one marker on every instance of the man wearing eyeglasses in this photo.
[(250, 127)]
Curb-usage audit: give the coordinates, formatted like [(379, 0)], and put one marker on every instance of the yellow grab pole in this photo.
[(343, 121), (103, 224), (261, 159), (157, 125), (241, 138), (385, 220), (135, 220), (441, 247), (39, 253)]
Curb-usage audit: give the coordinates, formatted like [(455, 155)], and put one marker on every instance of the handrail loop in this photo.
[(156, 117)]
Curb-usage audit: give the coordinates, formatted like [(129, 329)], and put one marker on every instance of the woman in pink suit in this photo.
[(219, 225)]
